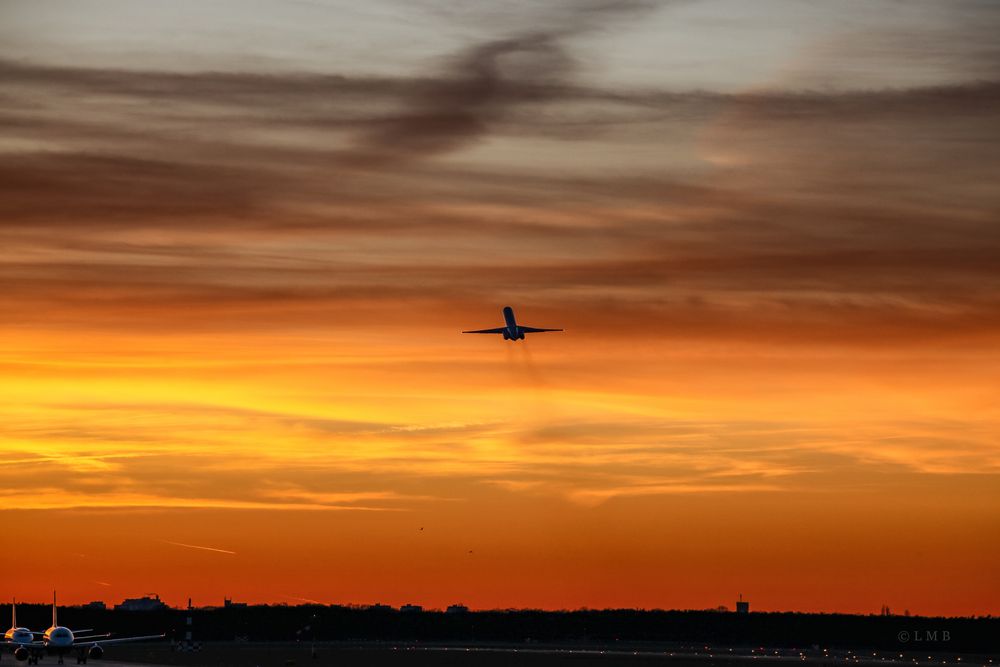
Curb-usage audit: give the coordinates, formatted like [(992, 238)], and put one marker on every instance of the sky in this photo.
[(238, 242)]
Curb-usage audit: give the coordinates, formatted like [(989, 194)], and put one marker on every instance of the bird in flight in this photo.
[(512, 330)]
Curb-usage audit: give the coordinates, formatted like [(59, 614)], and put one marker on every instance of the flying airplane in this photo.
[(513, 330), (59, 640)]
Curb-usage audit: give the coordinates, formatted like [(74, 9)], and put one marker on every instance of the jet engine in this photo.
[(506, 336), (21, 654), (95, 652)]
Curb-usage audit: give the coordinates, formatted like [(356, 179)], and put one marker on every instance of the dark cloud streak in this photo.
[(795, 202)]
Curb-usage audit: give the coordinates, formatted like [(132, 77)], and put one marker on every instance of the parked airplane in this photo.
[(16, 636), (513, 330), (59, 640)]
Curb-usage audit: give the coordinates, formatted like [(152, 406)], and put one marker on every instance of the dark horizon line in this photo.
[(378, 607)]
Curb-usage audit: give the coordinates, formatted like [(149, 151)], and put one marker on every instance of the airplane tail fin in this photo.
[(13, 612), (54, 623)]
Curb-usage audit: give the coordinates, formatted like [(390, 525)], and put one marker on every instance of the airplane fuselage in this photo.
[(58, 637), (18, 636), (512, 332)]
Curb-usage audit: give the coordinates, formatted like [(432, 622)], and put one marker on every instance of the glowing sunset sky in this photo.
[(238, 241)]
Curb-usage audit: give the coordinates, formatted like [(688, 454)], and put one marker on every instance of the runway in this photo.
[(375, 654)]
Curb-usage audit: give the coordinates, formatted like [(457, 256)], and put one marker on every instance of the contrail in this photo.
[(295, 597), (521, 365), (529, 366), (195, 546)]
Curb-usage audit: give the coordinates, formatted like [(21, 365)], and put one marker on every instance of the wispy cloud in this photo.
[(766, 243), (596, 496), (328, 465)]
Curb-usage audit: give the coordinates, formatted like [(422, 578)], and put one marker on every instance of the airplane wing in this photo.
[(116, 640), (498, 330), (534, 330)]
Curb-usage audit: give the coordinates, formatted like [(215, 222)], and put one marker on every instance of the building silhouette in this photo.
[(145, 603)]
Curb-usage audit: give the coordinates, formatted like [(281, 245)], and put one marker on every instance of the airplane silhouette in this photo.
[(513, 330)]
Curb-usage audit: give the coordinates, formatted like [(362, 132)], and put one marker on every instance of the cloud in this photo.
[(597, 496), (205, 454), (309, 245)]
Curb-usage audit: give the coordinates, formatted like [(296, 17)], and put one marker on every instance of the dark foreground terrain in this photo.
[(272, 636), (262, 625), (411, 654)]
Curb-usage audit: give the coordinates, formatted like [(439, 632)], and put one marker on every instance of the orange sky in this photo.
[(233, 286)]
